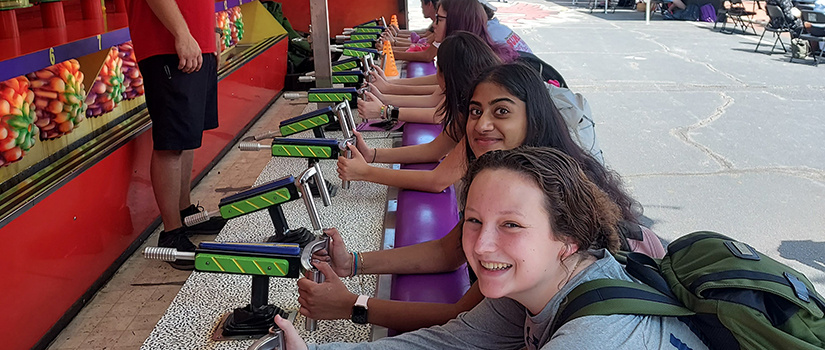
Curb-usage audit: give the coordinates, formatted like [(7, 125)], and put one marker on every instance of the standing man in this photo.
[(175, 45)]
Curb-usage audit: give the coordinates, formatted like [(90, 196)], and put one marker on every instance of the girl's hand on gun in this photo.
[(375, 91), (361, 144), (338, 257), (328, 300), (370, 106), (292, 340), (355, 169), (379, 72)]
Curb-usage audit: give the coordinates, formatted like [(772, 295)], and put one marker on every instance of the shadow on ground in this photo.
[(807, 252)]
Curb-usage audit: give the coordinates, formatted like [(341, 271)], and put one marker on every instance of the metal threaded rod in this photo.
[(167, 254), (306, 79), (252, 146), (198, 218), (342, 37), (294, 95)]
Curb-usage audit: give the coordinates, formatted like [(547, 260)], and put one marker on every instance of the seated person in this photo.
[(793, 21), (404, 38), (464, 56), (452, 15), (509, 107), (500, 33), (815, 29), (464, 70), (671, 4), (535, 227)]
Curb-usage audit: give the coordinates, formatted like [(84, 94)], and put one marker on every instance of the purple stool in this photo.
[(422, 217), (420, 69), (418, 134)]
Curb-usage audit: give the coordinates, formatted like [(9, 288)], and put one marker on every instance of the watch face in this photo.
[(359, 314)]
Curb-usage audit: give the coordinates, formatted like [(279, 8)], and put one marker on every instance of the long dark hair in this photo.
[(462, 56), (469, 15), (546, 128), (579, 210)]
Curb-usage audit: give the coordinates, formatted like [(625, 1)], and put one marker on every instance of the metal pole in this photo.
[(647, 11), (320, 43)]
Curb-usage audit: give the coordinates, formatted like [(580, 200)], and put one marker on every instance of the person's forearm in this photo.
[(169, 15), (419, 180), (404, 316), (429, 152), (419, 56), (420, 115), (430, 100), (395, 87), (441, 255), (401, 44), (450, 170), (431, 80)]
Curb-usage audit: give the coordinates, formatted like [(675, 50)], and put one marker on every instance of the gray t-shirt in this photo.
[(505, 324)]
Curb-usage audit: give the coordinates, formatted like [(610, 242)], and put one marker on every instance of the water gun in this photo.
[(350, 78), (333, 95), (259, 260), (356, 51), (313, 149)]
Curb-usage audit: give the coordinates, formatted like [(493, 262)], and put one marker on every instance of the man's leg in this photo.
[(679, 4), (187, 158), (166, 167)]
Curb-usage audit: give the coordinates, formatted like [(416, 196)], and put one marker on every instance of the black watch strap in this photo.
[(394, 113), (359, 310)]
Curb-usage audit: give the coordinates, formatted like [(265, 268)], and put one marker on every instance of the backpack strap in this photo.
[(616, 297), (646, 270)]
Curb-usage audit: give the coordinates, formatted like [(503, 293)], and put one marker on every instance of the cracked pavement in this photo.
[(707, 134)]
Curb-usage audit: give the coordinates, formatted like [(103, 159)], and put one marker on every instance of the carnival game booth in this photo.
[(75, 195), (369, 217)]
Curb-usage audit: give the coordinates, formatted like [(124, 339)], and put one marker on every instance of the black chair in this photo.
[(816, 19), (738, 15), (777, 26)]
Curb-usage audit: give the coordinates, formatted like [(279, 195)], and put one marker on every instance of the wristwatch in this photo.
[(394, 113), (359, 310)]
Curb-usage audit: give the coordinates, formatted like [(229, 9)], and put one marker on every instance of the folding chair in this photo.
[(739, 16), (600, 4), (777, 26), (816, 19)]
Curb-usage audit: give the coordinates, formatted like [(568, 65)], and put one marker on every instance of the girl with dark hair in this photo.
[(452, 15), (509, 107), (467, 57), (532, 239)]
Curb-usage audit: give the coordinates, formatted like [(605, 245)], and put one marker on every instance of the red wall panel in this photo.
[(53, 253)]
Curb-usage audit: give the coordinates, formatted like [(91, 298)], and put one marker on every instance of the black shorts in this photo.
[(180, 105)]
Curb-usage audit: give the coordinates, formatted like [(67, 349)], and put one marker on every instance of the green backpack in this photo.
[(730, 295)]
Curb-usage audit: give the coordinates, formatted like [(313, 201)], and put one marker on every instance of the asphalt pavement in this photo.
[(706, 133)]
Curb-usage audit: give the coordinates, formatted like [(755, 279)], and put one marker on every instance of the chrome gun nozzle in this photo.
[(252, 146), (199, 218), (294, 95), (167, 254)]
